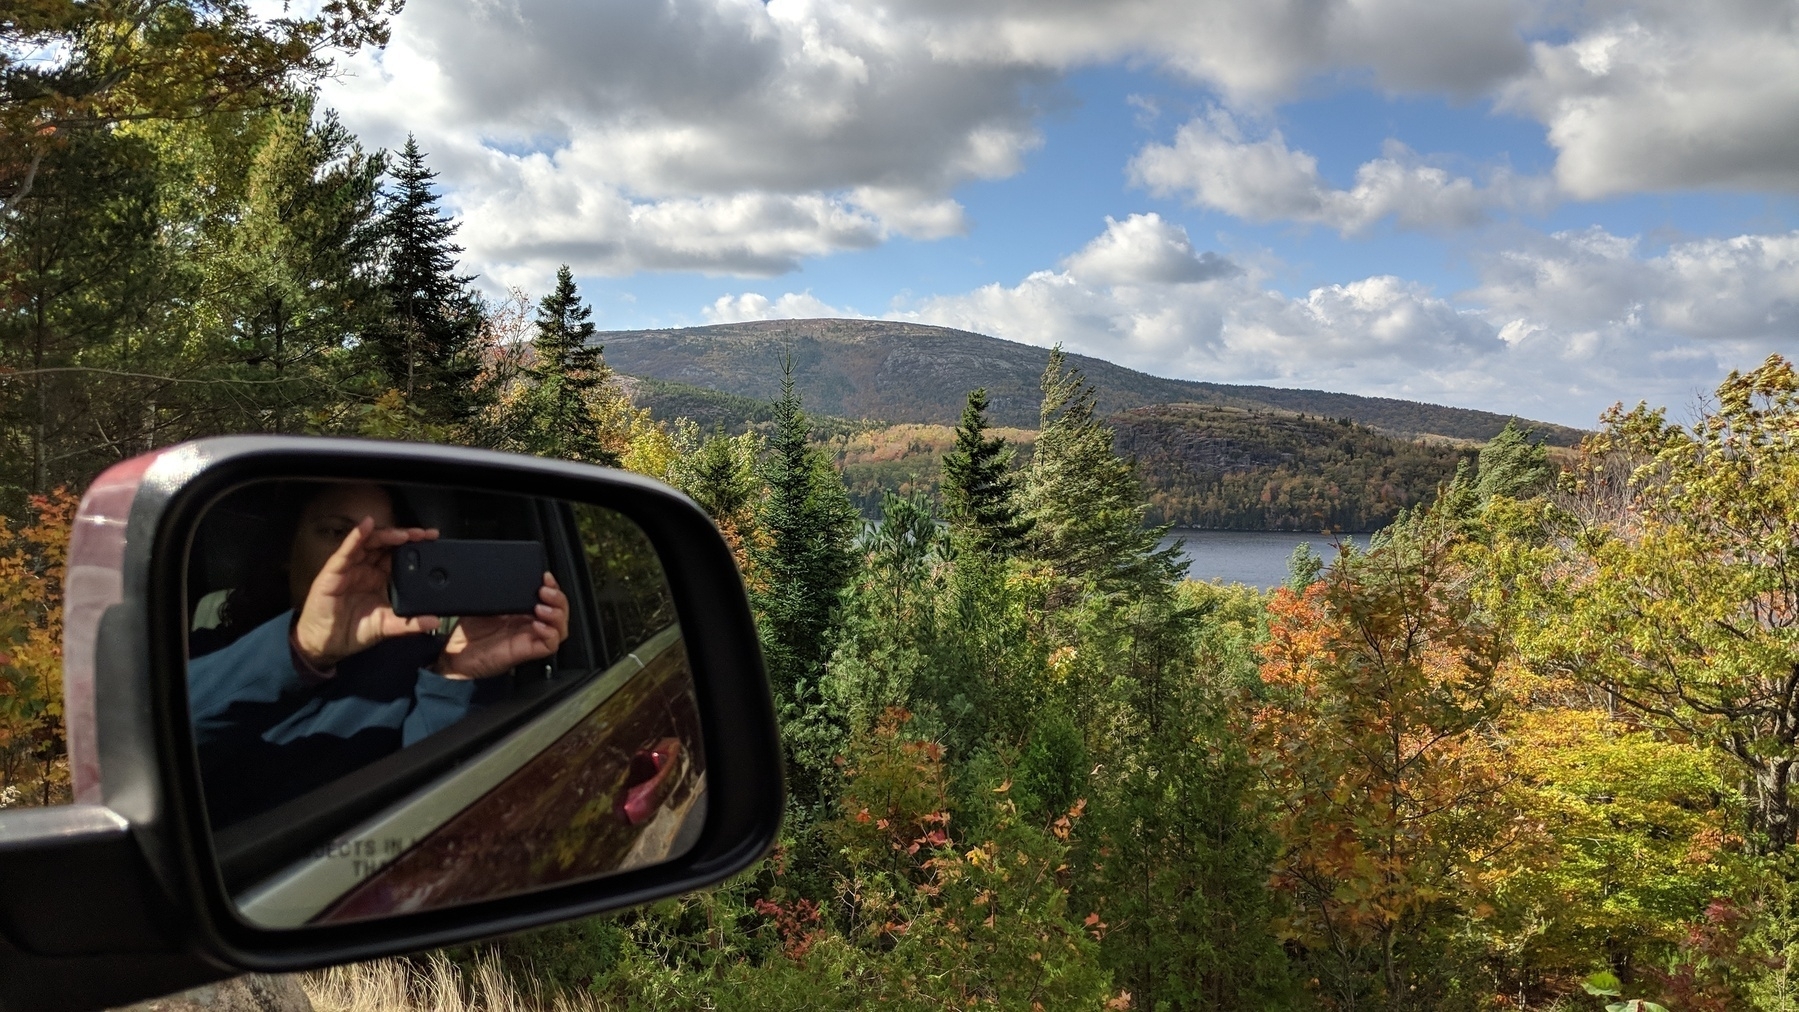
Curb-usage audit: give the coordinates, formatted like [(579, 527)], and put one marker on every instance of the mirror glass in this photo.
[(407, 697)]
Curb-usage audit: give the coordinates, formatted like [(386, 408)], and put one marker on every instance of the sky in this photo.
[(1539, 207)]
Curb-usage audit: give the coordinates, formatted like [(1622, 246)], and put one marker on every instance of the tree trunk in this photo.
[(1772, 810)]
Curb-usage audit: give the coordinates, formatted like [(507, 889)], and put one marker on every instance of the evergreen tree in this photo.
[(568, 379), (1513, 466), (1084, 501), (721, 477), (804, 560), (84, 285), (430, 346), (980, 489), (1183, 881), (295, 281), (1509, 466), (889, 621)]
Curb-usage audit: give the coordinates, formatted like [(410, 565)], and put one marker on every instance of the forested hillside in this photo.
[(902, 372), (1236, 469), (1202, 466), (668, 402)]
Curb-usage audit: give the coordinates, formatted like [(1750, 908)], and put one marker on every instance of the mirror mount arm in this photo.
[(82, 924)]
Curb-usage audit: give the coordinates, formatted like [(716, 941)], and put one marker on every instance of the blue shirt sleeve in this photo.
[(437, 703), (253, 682), (257, 668)]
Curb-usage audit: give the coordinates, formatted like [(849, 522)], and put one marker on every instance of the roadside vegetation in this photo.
[(1533, 749)]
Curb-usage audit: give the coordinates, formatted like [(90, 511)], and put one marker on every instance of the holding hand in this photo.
[(346, 610), (484, 645)]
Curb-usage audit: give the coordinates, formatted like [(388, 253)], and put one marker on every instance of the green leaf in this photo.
[(1604, 982)]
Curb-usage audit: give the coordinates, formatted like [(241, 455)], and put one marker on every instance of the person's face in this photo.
[(327, 517)]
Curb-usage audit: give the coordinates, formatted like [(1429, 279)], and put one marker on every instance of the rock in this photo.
[(252, 993)]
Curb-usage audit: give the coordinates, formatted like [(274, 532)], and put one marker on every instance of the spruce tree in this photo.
[(568, 376), (980, 489), (805, 559), (1084, 501), (429, 347)]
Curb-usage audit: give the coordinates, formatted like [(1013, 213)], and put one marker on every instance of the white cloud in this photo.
[(1740, 293), (755, 306), (1669, 96), (1212, 164), (1379, 335), (551, 219), (1254, 52), (723, 136), (1144, 249), (1558, 329), (741, 137)]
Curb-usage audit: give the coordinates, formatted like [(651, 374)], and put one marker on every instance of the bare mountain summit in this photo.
[(905, 372)]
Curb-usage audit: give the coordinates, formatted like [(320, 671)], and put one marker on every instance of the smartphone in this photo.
[(449, 577)]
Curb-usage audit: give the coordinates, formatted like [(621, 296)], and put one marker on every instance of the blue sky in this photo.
[(1534, 208)]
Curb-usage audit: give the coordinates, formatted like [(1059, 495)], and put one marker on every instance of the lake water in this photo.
[(1257, 558)]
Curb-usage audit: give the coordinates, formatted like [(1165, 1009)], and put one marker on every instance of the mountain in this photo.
[(1229, 468), (714, 409), (904, 372)]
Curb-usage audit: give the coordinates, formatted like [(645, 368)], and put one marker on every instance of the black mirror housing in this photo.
[(120, 896)]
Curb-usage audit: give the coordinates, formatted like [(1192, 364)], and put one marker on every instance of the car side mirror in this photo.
[(329, 700)]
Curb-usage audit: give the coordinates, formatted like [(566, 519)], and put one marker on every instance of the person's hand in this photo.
[(346, 609), (484, 645)]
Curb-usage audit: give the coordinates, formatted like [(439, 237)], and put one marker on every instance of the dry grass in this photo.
[(394, 985)]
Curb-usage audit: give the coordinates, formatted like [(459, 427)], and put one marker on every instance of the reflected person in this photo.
[(337, 680)]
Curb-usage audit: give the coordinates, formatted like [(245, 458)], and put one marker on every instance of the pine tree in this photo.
[(430, 345), (1512, 466), (980, 489), (569, 376), (1084, 501), (295, 281), (805, 559)]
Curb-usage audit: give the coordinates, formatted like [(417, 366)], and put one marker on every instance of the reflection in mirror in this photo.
[(407, 697)]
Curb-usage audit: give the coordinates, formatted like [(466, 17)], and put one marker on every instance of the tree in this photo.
[(1677, 590), (980, 489), (1513, 466), (1638, 837), (1085, 503), (87, 286), (569, 379), (803, 564), (429, 347), (889, 616), (1370, 736), (720, 474), (292, 265), (126, 61), (33, 764), (1177, 839), (1510, 466), (956, 927)]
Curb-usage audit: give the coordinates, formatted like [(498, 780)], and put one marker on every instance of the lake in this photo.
[(1256, 558)]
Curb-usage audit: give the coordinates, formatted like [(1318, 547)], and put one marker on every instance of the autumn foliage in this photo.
[(1374, 739), (33, 765)]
